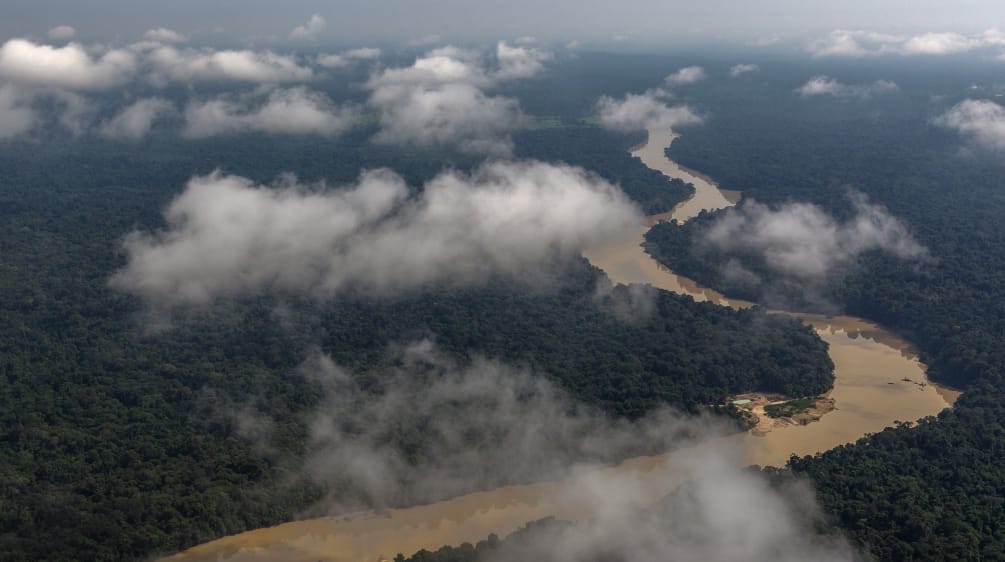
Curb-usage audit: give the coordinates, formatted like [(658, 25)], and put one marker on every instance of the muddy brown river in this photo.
[(878, 381)]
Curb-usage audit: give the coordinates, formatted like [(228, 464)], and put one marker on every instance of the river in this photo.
[(878, 381)]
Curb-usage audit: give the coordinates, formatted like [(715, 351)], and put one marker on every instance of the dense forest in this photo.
[(909, 493), (116, 443), (931, 490)]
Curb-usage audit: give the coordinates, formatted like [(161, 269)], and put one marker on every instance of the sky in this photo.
[(643, 21)]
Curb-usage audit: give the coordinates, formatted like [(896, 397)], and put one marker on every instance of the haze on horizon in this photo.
[(624, 24)]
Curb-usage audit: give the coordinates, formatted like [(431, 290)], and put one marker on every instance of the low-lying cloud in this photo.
[(16, 116), (647, 111), (802, 245), (826, 86), (846, 43), (136, 120), (741, 69), (171, 64), (347, 58), (719, 512), (430, 428), (983, 121), (439, 114), (69, 67), (309, 30), (686, 75), (61, 33), (291, 111), (227, 237), (467, 427), (164, 35), (442, 99), (518, 62)]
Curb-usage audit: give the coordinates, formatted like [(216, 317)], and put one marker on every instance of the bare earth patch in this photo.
[(753, 409)]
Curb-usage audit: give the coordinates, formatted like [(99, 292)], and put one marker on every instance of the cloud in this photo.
[(62, 33), (441, 100), (75, 111), (135, 121), (348, 57), (470, 427), (449, 114), (189, 65), (845, 43), (718, 512), (429, 428), (227, 237), (68, 67), (860, 43), (292, 111), (16, 116), (740, 69), (805, 246), (938, 44), (826, 86), (164, 35), (310, 30), (981, 120), (518, 62), (439, 66), (686, 75), (645, 111)]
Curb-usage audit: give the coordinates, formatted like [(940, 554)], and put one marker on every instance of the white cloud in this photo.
[(227, 237), (135, 121), (841, 43), (293, 111), (440, 99), (981, 120), (439, 66), (741, 69), (16, 116), (637, 112), (484, 424), (860, 43), (348, 57), (188, 65), (938, 44), (164, 35), (822, 85), (62, 33), (686, 75), (310, 30), (518, 62), (536, 430), (68, 67), (457, 114), (75, 111), (826, 86), (807, 246)]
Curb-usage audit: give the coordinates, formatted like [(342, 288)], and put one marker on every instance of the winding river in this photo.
[(878, 381)]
